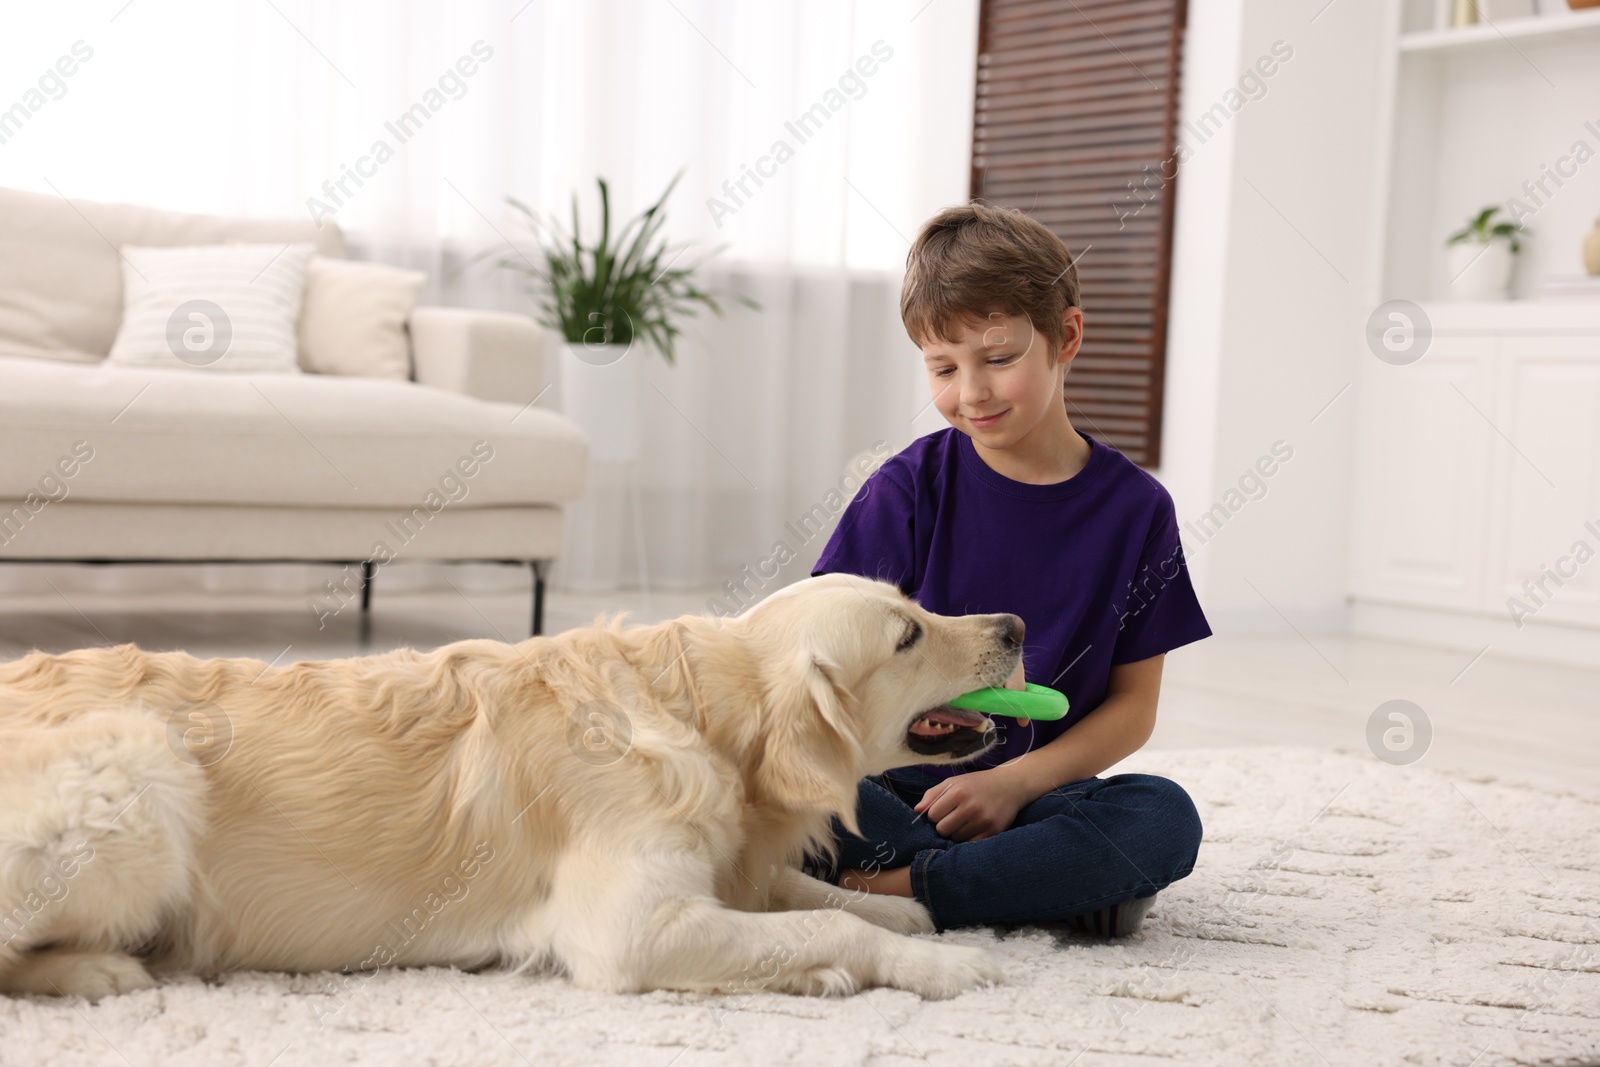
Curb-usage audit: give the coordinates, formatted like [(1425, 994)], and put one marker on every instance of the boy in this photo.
[(1011, 509)]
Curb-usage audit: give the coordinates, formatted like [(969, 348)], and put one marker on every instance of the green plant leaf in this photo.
[(630, 284)]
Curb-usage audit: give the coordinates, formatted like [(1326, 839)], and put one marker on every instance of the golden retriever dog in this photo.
[(627, 805)]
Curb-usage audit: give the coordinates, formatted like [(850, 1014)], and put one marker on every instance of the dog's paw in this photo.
[(69, 972), (824, 982), (903, 915), (939, 972)]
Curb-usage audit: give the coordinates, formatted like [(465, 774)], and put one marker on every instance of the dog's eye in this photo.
[(911, 636)]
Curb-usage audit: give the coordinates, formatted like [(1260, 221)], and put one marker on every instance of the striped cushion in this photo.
[(212, 307)]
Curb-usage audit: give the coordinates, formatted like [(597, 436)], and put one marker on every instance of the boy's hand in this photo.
[(971, 807)]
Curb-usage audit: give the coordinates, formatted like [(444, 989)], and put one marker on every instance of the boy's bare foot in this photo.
[(895, 881)]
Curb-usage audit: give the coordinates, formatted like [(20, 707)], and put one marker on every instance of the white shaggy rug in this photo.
[(1343, 911)]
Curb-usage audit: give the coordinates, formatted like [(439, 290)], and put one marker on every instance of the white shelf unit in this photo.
[(1487, 115), (1540, 29), (1479, 464)]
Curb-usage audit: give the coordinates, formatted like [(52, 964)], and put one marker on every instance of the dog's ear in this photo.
[(811, 751)]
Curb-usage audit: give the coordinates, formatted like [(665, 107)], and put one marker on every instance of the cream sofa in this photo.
[(108, 464)]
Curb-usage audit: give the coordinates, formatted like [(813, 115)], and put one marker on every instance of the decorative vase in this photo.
[(1591, 250), (600, 392), (1480, 272)]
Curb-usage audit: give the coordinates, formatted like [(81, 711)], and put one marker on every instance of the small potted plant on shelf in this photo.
[(1480, 257), (625, 291)]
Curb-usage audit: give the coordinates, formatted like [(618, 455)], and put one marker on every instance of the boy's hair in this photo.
[(976, 258)]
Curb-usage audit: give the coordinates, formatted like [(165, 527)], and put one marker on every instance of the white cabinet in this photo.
[(1548, 487), (1478, 466), (1422, 494)]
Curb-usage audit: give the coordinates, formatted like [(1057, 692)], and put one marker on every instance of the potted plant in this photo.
[(1480, 257), (627, 289)]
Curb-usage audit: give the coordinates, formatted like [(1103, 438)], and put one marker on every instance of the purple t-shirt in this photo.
[(1093, 565)]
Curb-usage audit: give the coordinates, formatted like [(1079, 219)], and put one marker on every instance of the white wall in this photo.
[(1272, 283), (1200, 252)]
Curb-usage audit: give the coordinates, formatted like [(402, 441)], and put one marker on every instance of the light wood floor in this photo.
[(1513, 719)]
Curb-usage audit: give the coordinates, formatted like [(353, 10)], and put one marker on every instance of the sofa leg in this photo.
[(538, 595), (368, 570)]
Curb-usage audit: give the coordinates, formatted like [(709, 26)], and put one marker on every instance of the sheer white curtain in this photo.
[(814, 137)]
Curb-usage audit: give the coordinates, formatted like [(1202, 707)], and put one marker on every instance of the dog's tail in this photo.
[(99, 817)]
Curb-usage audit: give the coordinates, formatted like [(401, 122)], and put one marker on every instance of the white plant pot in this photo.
[(600, 387), (1480, 272), (600, 392)]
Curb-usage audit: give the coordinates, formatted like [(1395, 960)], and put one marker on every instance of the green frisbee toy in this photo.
[(1037, 702)]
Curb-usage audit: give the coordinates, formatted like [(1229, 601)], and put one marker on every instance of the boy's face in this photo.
[(996, 383)]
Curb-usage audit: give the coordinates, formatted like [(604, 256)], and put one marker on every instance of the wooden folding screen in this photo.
[(1076, 123)]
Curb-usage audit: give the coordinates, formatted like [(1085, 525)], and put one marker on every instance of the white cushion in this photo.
[(61, 277), (230, 308), (353, 320), (303, 440), (425, 529)]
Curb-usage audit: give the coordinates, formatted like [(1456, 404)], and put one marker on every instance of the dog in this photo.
[(625, 805)]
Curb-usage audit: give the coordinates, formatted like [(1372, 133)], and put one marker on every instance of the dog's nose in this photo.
[(1014, 629)]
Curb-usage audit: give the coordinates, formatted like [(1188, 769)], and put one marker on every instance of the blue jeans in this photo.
[(1081, 846)]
